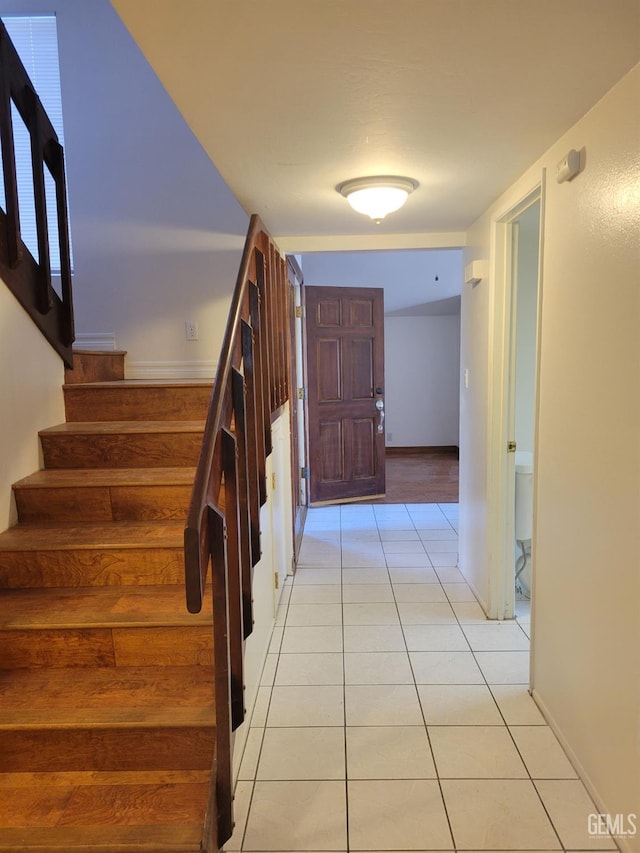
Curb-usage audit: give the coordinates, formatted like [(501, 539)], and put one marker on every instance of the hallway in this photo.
[(391, 715)]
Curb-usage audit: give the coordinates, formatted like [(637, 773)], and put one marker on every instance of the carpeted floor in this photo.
[(421, 476)]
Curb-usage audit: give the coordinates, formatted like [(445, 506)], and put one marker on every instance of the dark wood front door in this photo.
[(345, 392)]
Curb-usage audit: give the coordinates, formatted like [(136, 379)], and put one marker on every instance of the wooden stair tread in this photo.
[(98, 607), (143, 695), (127, 427), (91, 477), (92, 535)]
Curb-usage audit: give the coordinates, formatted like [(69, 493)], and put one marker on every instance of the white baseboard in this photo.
[(624, 844), (170, 369), (101, 341)]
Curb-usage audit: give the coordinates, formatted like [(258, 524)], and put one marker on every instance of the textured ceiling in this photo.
[(290, 97)]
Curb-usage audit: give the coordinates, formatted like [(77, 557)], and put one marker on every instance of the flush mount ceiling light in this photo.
[(377, 196)]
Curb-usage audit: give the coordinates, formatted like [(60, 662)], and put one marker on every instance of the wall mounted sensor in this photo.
[(568, 167), (474, 272)]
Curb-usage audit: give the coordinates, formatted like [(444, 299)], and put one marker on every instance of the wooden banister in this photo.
[(223, 524), (27, 278)]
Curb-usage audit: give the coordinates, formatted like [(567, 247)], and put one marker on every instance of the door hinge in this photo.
[(299, 312), (273, 481), (302, 393), (304, 472), (276, 580), (511, 447)]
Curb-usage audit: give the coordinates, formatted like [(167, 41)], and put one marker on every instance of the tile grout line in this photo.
[(426, 729), (344, 699), (506, 725), (266, 718), (473, 652)]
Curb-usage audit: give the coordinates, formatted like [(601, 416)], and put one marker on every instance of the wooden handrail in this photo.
[(223, 523), (30, 279)]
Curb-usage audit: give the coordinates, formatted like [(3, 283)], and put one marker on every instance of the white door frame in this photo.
[(501, 406), (297, 399)]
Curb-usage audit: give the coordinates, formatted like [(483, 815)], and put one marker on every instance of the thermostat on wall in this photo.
[(568, 167)]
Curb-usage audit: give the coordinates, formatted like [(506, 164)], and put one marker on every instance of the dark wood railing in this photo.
[(30, 279), (223, 524)]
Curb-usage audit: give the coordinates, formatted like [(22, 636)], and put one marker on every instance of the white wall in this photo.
[(277, 549), (422, 369), (473, 474), (157, 235), (31, 377), (586, 622), (412, 279)]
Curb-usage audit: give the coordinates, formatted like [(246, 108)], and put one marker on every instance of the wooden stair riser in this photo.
[(95, 366), (91, 567), (120, 450), (136, 403), (102, 503), (104, 839), (112, 697), (113, 748), (107, 647), (101, 606), (126, 804)]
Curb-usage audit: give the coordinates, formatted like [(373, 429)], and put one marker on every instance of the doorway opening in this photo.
[(422, 353), (513, 437)]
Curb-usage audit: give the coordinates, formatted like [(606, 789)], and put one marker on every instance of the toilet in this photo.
[(523, 525)]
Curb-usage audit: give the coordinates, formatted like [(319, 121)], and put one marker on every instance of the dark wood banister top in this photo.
[(201, 495)]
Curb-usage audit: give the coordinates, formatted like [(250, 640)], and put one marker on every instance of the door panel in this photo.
[(364, 451), (329, 456), (328, 359), (329, 313), (345, 378), (362, 379)]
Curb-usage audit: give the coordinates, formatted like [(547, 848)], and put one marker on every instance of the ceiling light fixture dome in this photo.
[(377, 196)]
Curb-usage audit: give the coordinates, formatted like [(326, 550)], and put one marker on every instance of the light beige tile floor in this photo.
[(391, 715)]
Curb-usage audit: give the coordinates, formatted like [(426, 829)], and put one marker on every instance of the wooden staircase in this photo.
[(107, 718)]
